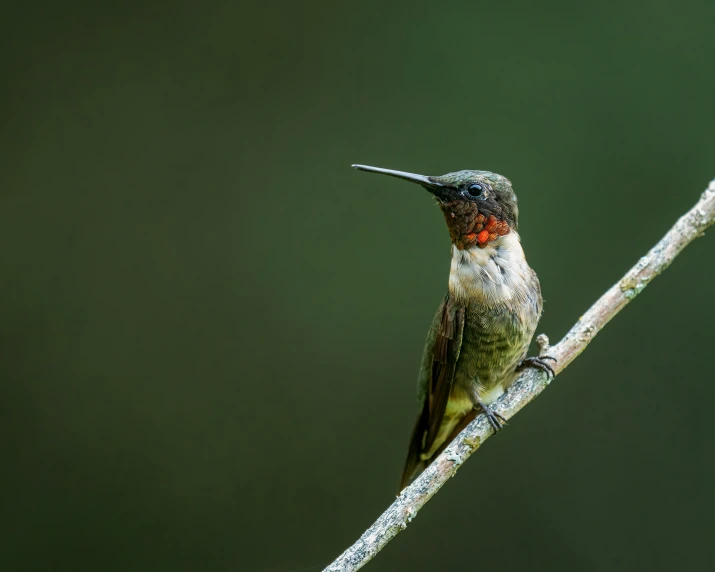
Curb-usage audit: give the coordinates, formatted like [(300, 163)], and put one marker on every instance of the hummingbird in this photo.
[(480, 335)]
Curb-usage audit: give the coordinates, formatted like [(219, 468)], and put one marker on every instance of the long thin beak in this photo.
[(419, 179)]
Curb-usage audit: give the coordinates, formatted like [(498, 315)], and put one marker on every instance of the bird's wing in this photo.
[(444, 342)]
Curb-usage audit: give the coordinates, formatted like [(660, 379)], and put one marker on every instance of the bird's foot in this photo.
[(539, 363), (495, 420)]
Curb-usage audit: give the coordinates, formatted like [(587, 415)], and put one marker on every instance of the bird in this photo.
[(479, 337)]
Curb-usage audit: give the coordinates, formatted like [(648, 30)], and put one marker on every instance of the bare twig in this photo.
[(690, 226)]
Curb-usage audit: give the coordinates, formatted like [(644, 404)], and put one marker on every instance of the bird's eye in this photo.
[(475, 190)]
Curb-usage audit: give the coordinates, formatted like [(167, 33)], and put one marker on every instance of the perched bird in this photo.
[(482, 330)]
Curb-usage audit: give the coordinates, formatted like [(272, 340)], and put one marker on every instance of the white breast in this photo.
[(493, 275)]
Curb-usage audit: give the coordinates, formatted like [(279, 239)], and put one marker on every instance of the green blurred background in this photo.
[(211, 325)]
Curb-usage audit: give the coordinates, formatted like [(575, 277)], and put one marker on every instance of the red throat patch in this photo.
[(468, 227)]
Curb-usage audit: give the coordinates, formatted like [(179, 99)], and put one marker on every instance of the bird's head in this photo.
[(479, 206)]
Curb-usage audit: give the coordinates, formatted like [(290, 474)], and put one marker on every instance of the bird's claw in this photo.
[(496, 420), (539, 363)]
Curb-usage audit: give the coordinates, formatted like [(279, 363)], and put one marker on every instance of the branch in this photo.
[(530, 384)]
